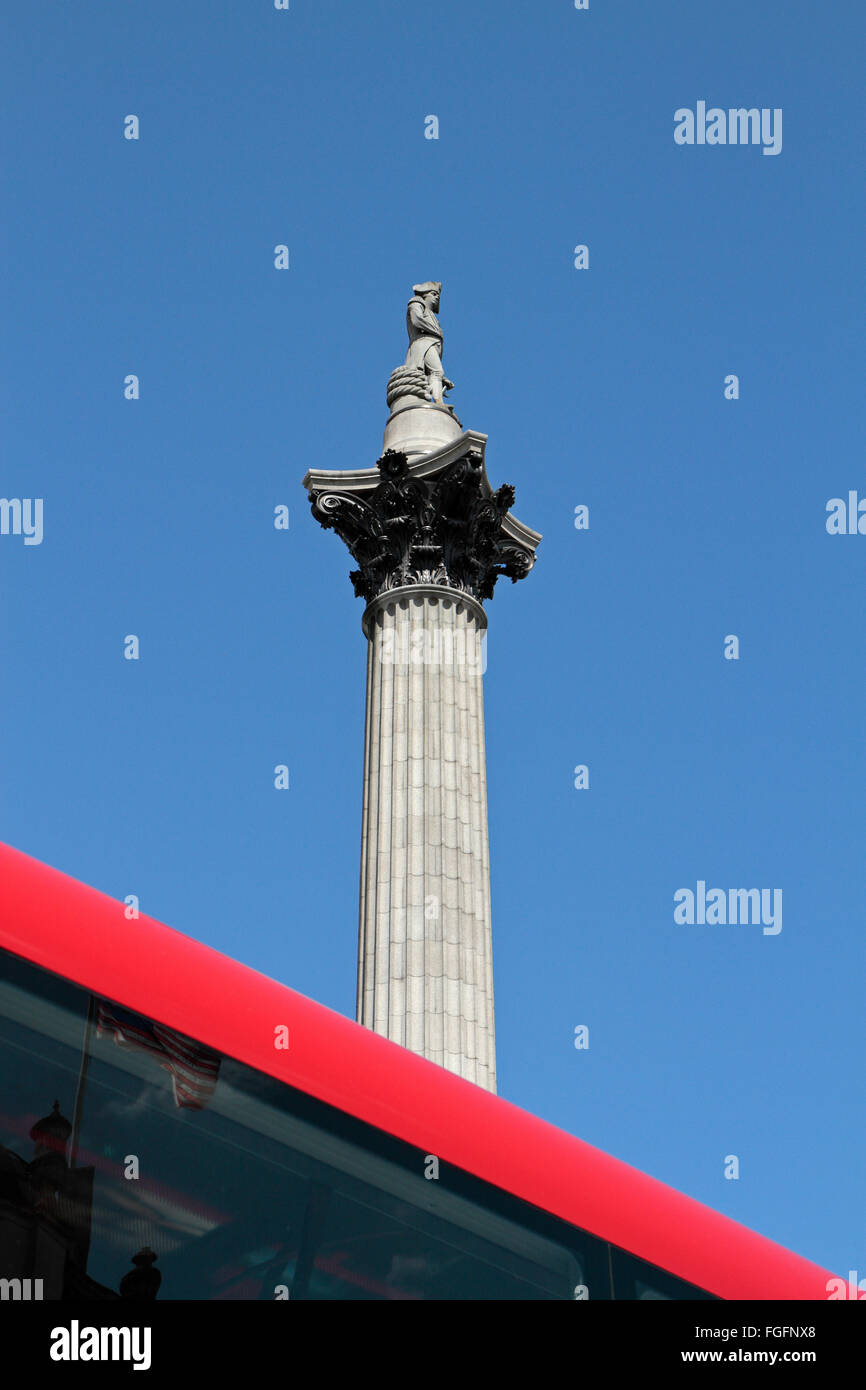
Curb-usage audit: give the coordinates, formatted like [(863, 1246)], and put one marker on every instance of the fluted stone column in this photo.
[(430, 537), (425, 966)]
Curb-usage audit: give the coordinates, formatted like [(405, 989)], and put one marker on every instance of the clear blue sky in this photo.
[(602, 387)]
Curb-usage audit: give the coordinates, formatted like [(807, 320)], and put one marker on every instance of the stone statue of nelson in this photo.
[(425, 337)]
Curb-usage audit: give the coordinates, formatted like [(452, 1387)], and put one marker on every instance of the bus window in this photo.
[(635, 1279), (135, 1162)]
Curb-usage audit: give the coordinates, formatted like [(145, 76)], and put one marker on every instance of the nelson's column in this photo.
[(430, 538)]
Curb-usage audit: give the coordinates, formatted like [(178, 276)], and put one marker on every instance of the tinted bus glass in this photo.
[(137, 1163)]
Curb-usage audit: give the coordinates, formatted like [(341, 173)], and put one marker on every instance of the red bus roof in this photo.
[(83, 935)]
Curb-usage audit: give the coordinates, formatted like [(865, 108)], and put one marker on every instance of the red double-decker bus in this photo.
[(174, 1125)]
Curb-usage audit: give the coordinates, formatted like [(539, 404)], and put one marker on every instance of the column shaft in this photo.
[(425, 968)]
